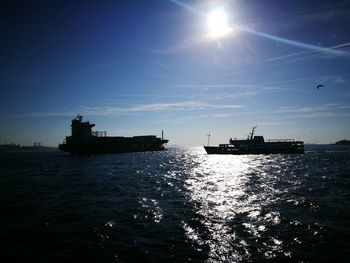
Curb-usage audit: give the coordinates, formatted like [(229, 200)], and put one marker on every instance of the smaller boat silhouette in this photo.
[(257, 145)]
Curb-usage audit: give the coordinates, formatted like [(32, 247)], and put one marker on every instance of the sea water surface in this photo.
[(179, 205)]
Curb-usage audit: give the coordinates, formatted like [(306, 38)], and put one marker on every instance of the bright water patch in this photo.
[(180, 205)]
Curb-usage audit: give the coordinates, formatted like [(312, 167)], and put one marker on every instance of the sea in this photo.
[(178, 205)]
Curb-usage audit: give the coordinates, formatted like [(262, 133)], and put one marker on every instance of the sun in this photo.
[(217, 23)]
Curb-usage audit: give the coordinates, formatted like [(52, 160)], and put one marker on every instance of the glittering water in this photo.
[(180, 205)]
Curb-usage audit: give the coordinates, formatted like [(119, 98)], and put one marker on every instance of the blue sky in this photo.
[(137, 67)]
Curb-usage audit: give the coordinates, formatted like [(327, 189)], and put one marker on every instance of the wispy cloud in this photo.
[(335, 78), (219, 115), (214, 85), (274, 123), (321, 13), (242, 89), (156, 107), (262, 86), (133, 109), (273, 85), (326, 110), (304, 55), (187, 6), (162, 65), (300, 17), (295, 109)]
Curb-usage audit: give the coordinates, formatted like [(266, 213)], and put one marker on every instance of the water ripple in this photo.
[(178, 205)]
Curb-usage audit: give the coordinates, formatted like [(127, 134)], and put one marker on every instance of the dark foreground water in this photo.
[(179, 205)]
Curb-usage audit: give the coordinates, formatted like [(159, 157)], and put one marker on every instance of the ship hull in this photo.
[(261, 149), (112, 146)]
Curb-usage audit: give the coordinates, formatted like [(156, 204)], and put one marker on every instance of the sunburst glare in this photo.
[(217, 21)]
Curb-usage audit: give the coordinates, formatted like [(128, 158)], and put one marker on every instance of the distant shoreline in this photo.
[(20, 148)]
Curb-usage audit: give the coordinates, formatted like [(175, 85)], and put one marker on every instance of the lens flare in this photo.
[(217, 23)]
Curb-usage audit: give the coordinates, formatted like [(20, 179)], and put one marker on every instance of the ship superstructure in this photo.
[(257, 145), (83, 140)]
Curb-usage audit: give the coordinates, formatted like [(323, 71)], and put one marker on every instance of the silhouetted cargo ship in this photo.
[(257, 145), (85, 141)]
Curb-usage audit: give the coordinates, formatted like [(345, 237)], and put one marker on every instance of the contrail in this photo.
[(271, 37), (190, 8), (295, 43)]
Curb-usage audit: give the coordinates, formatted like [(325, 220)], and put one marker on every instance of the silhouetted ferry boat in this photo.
[(257, 145), (85, 141)]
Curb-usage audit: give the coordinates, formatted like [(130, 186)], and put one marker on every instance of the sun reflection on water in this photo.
[(230, 193)]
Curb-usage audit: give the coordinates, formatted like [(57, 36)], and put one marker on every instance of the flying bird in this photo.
[(319, 86)]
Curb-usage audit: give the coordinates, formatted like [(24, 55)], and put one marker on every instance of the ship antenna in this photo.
[(208, 137), (252, 133)]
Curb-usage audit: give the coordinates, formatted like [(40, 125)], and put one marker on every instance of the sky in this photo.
[(140, 67)]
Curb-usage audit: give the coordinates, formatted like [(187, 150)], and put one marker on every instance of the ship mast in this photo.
[(252, 133), (208, 137)]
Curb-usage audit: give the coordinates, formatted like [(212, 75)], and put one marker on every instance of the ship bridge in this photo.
[(80, 128), (259, 139)]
